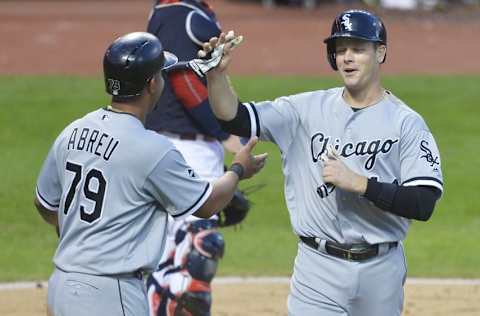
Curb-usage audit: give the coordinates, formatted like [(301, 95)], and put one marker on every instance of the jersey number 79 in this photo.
[(95, 196)]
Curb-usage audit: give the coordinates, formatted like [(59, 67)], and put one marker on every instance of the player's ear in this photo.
[(381, 52), (150, 87), (155, 84)]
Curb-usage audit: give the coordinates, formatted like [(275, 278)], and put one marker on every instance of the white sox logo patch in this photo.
[(428, 156), (114, 86), (371, 149), (346, 22)]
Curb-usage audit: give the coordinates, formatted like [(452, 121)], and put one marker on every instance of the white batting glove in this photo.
[(202, 66)]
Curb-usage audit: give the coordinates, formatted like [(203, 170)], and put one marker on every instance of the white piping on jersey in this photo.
[(253, 121), (160, 6), (205, 195), (424, 182), (44, 202), (150, 15), (188, 26)]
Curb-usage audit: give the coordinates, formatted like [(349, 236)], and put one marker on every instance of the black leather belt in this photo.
[(350, 252), (136, 275)]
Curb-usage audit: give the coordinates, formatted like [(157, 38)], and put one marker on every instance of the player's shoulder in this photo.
[(66, 132), (175, 5), (179, 6), (155, 144), (314, 97), (403, 113), (141, 149)]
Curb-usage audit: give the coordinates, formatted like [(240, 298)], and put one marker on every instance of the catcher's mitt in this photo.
[(235, 211)]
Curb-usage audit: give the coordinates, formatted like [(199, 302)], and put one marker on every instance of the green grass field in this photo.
[(35, 109)]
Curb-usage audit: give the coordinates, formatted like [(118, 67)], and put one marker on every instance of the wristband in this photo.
[(238, 169)]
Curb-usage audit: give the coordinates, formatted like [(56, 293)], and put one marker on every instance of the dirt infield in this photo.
[(270, 300), (69, 37)]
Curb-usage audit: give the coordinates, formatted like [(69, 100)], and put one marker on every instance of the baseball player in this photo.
[(359, 165), (108, 185), (185, 117)]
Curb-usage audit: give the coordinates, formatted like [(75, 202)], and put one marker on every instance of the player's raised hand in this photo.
[(224, 45), (251, 163), (336, 172)]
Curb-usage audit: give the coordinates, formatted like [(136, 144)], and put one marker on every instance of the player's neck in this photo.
[(362, 98), (133, 109)]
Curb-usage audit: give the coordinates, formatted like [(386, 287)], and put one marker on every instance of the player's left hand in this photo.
[(220, 49), (337, 173)]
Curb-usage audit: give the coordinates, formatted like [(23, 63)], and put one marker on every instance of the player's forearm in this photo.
[(359, 184), (48, 216), (413, 202), (222, 193), (222, 97)]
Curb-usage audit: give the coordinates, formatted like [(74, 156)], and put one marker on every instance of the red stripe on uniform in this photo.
[(167, 1), (188, 89)]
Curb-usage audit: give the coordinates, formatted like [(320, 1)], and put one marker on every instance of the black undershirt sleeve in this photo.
[(413, 202), (240, 124)]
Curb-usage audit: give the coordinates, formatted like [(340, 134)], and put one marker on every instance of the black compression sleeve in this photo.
[(240, 125), (414, 202)]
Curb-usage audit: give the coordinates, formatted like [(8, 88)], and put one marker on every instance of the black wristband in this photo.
[(238, 169)]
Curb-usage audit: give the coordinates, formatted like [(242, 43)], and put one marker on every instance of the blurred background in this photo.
[(69, 37), (51, 73)]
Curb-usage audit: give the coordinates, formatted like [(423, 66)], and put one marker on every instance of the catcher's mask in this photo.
[(358, 24)]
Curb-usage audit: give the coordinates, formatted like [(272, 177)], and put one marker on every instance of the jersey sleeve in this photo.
[(275, 121), (176, 186), (200, 28), (419, 155), (49, 188)]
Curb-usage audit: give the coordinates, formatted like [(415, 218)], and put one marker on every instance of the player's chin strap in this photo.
[(202, 66)]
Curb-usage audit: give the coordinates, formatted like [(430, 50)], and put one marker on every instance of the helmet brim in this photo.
[(170, 60), (354, 36)]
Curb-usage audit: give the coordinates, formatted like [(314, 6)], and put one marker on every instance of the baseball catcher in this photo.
[(181, 285)]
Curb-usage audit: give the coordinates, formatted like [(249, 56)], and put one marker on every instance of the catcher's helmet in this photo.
[(131, 61), (209, 243), (357, 24)]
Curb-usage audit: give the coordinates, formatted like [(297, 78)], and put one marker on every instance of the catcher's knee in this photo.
[(197, 303)]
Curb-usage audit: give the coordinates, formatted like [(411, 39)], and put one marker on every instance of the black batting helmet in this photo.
[(357, 24), (131, 61)]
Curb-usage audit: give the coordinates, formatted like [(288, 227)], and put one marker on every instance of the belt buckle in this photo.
[(349, 255)]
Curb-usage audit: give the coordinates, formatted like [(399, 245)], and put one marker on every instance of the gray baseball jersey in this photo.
[(113, 183), (387, 140)]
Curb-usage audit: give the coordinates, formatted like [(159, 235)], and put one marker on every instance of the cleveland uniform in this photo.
[(400, 150), (98, 183)]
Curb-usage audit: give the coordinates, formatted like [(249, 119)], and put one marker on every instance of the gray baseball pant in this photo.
[(78, 294), (329, 286)]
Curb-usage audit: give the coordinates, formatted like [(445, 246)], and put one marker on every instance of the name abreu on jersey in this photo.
[(92, 141)]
